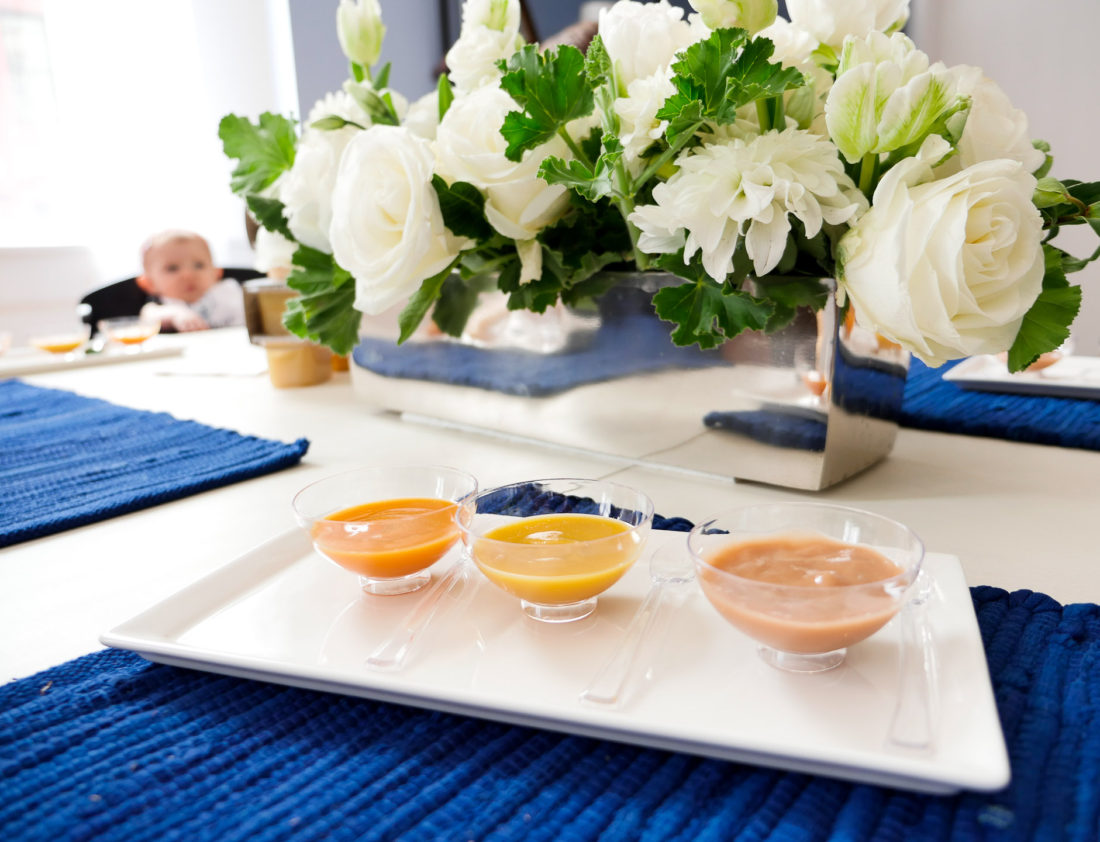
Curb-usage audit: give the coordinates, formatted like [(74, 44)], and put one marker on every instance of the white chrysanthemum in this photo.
[(639, 127), (748, 188)]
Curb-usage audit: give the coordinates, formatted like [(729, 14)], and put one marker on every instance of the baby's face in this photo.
[(181, 269)]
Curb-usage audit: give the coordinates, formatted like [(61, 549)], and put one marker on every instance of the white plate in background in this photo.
[(1070, 377)]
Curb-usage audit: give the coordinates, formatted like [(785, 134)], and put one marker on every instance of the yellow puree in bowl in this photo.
[(557, 559)]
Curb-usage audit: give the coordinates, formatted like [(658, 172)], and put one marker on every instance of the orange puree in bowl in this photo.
[(806, 594), (557, 559), (388, 538)]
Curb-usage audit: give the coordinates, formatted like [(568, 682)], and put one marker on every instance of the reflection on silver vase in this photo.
[(804, 407)]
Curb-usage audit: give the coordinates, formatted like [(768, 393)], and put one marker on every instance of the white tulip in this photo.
[(752, 15), (360, 30), (948, 267), (501, 15), (750, 188), (831, 21), (886, 95), (469, 147), (387, 229), (643, 38)]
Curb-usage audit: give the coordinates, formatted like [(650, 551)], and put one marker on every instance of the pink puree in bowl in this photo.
[(802, 593)]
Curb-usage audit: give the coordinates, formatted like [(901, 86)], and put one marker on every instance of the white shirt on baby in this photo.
[(222, 306)]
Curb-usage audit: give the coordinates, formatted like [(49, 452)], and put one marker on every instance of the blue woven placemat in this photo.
[(110, 746), (67, 460), (932, 403)]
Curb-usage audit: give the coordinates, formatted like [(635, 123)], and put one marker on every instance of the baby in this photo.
[(179, 271)]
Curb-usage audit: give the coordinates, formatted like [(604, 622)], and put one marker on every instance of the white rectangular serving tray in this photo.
[(1070, 377), (282, 613)]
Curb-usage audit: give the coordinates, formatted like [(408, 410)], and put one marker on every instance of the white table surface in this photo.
[(1018, 516)]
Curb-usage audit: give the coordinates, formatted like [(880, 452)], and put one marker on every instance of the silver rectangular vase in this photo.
[(805, 407)]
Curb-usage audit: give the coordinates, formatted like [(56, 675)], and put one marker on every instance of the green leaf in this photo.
[(705, 312), (1048, 161), (413, 313), (382, 80), (269, 214), (446, 94), (1049, 192), (1046, 325), (552, 90), (686, 118), (463, 209), (591, 182), (264, 150), (788, 295), (725, 72), (456, 301), (598, 68), (378, 106), (323, 312), (332, 122)]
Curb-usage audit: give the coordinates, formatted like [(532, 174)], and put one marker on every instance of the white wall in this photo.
[(1043, 55)]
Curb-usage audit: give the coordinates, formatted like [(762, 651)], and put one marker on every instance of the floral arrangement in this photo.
[(749, 155)]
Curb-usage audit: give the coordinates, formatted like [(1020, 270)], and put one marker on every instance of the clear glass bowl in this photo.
[(388, 524), (558, 563), (805, 585), (128, 331)]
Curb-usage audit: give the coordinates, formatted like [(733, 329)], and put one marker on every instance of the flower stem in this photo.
[(867, 171), (763, 116), (578, 153)]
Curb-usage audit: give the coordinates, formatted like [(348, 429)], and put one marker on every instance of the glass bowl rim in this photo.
[(909, 572), (457, 472), (646, 522)]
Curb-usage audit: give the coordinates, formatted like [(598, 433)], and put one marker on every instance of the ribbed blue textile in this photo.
[(932, 403), (67, 460), (111, 747), (628, 345)]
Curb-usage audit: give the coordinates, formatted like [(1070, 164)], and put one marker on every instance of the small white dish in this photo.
[(282, 613), (1071, 377)]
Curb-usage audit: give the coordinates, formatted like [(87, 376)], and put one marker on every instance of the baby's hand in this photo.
[(185, 322)]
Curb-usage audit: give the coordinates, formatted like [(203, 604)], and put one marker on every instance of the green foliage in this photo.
[(597, 63), (323, 310), (445, 95), (264, 150), (592, 182), (269, 214), (1046, 324), (705, 312), (413, 313), (333, 122), (552, 90), (463, 209), (719, 75)]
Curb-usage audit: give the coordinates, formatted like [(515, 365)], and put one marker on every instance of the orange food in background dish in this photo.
[(557, 559), (388, 538)]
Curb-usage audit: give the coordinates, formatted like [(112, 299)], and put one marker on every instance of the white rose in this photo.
[(946, 268), (490, 32), (469, 147), (360, 30), (752, 15), (472, 59), (307, 189), (994, 128), (274, 253), (831, 21), (422, 118), (643, 38), (387, 229)]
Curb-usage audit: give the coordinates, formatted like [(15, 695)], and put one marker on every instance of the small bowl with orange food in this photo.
[(387, 524), (565, 543), (129, 331), (805, 580)]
